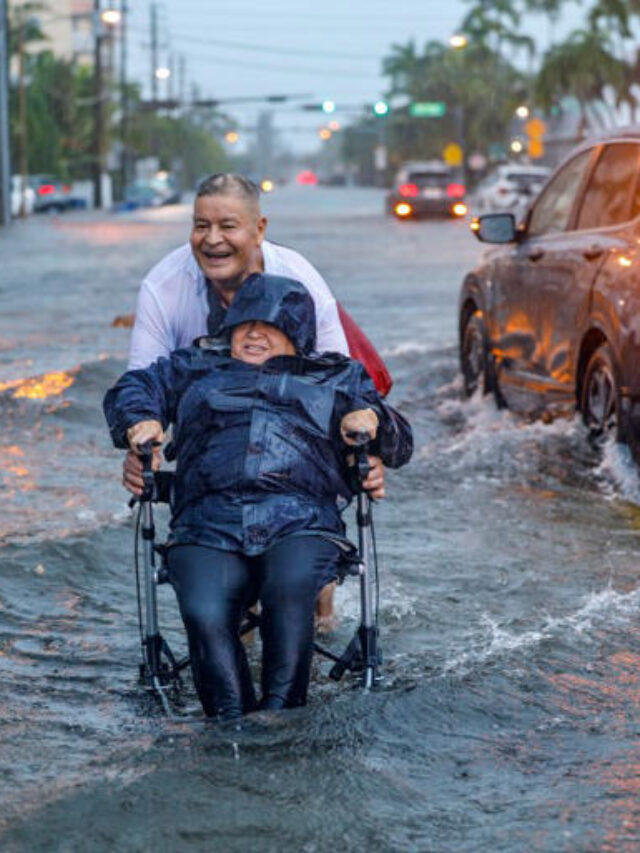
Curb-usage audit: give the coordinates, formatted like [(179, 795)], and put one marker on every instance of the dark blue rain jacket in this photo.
[(258, 448)]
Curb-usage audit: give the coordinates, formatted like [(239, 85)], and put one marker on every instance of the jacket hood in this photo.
[(282, 302)]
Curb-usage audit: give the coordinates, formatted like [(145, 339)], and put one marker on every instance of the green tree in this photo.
[(182, 140), (479, 87), (58, 116), (582, 66)]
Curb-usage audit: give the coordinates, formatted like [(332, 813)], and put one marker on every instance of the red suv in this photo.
[(550, 319)]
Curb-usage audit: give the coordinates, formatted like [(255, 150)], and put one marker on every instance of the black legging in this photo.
[(214, 588)]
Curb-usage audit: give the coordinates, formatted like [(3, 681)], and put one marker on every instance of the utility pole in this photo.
[(182, 80), (98, 117), (5, 165), (124, 97), (23, 165), (154, 51)]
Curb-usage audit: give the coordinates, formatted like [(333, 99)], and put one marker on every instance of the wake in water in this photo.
[(606, 609)]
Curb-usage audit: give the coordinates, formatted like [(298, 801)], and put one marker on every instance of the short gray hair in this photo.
[(227, 183)]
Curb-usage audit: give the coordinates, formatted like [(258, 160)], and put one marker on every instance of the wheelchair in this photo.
[(160, 670)]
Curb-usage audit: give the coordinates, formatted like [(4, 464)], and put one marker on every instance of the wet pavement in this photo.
[(508, 715)]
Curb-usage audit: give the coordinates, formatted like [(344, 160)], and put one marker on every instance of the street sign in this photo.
[(453, 154), (535, 128), (477, 162), (535, 148), (427, 109)]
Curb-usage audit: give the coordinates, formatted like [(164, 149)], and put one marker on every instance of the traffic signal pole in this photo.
[(5, 167)]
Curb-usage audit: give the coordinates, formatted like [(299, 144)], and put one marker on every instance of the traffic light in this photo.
[(381, 108), (322, 106)]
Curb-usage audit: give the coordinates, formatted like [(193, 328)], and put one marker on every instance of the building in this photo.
[(68, 27)]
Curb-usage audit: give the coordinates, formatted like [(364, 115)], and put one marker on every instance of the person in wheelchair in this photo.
[(261, 428)]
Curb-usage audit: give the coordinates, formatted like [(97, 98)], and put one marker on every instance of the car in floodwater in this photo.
[(155, 191), (426, 188), (53, 195), (510, 187), (549, 321)]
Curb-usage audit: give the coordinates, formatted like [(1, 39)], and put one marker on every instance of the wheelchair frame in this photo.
[(159, 668)]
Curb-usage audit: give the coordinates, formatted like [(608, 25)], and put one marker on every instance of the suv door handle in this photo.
[(535, 254), (592, 252)]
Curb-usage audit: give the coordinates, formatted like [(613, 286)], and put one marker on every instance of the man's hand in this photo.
[(374, 484), (362, 420)]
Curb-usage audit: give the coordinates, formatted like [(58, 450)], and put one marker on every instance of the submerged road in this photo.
[(508, 718)]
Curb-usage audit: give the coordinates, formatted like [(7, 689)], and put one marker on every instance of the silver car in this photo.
[(510, 188)]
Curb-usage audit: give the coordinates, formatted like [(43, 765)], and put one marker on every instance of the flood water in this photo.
[(509, 714)]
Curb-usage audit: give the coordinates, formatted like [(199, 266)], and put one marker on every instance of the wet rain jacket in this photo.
[(258, 448)]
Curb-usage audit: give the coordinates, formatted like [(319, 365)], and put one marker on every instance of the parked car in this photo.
[(158, 190), (550, 319), (21, 196), (52, 195), (423, 188), (509, 187)]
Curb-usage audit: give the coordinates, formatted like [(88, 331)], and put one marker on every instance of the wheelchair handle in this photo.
[(361, 466), (145, 452)]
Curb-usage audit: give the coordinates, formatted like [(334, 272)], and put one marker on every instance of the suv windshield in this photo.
[(429, 179)]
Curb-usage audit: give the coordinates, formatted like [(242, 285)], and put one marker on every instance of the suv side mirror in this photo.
[(495, 228)]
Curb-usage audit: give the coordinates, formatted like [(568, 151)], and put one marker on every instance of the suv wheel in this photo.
[(600, 397), (473, 354)]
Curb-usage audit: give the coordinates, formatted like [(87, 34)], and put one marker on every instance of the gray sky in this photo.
[(327, 49)]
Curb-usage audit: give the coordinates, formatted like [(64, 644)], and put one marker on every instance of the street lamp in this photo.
[(111, 17), (163, 73), (522, 111), (458, 40)]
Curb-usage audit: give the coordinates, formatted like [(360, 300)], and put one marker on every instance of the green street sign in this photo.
[(427, 109)]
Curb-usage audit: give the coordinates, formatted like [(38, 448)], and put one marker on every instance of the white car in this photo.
[(510, 188), (28, 195)]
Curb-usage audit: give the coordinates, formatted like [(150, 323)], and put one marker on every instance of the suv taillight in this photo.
[(456, 190), (408, 190), (46, 189)]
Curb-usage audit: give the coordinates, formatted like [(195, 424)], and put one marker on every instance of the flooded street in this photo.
[(509, 714)]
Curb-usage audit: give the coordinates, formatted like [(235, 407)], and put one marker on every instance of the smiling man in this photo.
[(187, 294)]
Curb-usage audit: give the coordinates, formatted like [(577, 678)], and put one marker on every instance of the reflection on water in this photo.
[(509, 564), (39, 387)]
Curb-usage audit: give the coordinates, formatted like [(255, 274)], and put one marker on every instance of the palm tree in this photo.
[(582, 66), (479, 87)]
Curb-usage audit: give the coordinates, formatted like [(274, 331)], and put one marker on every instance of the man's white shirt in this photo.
[(172, 305)]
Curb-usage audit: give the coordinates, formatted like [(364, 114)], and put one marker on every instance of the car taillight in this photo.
[(408, 190), (456, 190), (66, 188), (46, 189), (503, 191)]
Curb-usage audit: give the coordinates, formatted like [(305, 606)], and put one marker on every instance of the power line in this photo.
[(237, 45), (294, 69)]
